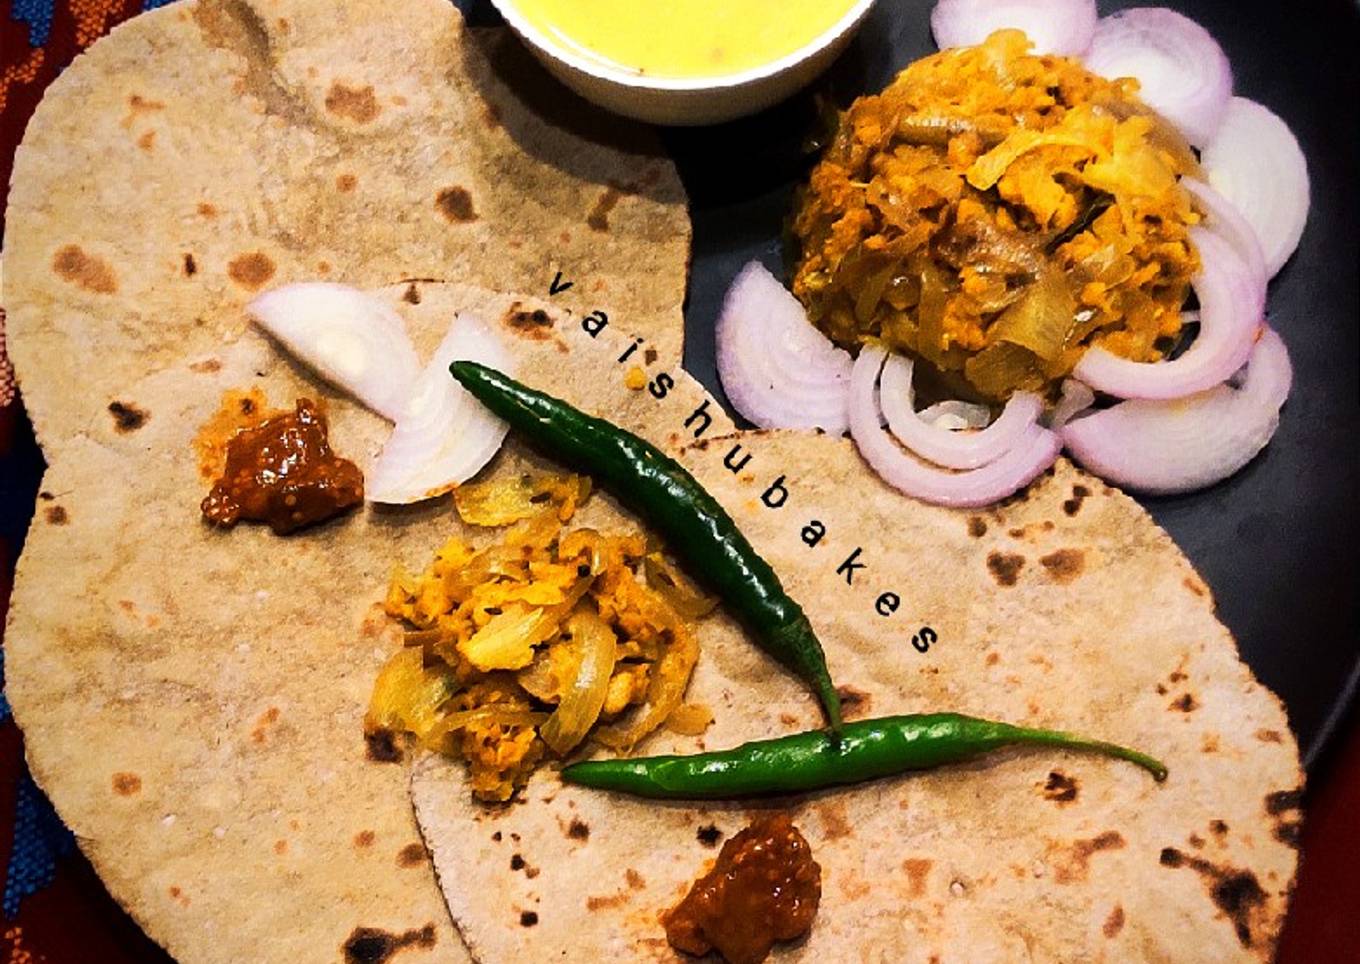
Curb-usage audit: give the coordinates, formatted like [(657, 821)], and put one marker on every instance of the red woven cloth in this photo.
[(74, 920)]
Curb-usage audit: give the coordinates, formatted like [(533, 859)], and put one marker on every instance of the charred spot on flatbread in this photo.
[(709, 835), (1114, 923), (977, 526), (1237, 893), (364, 838), (1075, 861), (1283, 800), (917, 870), (1185, 703), (344, 183), (1286, 804), (56, 515), (578, 829), (412, 855), (382, 746), (190, 265), (412, 295), (252, 269), (598, 218), (127, 417), (1060, 788), (455, 203), (1064, 565), (1073, 505), (372, 945), (536, 324), (855, 703), (1005, 567), (357, 104), (127, 784), (527, 918), (835, 820), (83, 270)]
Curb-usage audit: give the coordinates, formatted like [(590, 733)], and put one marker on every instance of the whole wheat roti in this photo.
[(192, 699), (1067, 608), (209, 149)]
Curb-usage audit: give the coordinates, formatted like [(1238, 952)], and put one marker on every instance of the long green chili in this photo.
[(866, 750), (692, 522)]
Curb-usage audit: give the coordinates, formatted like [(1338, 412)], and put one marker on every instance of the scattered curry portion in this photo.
[(549, 636), (996, 213), (764, 888), (282, 472)]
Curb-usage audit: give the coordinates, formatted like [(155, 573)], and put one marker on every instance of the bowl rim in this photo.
[(509, 9)]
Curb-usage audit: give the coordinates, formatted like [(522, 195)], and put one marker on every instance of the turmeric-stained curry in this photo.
[(996, 213), (543, 640)]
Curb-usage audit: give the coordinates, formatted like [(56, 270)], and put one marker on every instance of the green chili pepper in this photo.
[(692, 522), (867, 750)]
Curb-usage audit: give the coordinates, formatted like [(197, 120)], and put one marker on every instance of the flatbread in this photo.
[(192, 699), (207, 150), (1066, 608)]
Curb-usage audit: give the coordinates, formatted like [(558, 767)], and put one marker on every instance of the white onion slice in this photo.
[(1187, 444), (1076, 398), (952, 450), (1032, 454), (350, 338), (1231, 303), (1256, 163), (1223, 218), (954, 414), (444, 436), (1182, 72), (776, 368), (1053, 26)]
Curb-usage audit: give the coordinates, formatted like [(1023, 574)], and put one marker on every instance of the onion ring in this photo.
[(952, 450), (1256, 163), (1187, 444), (777, 370), (1032, 454), (1182, 72), (350, 338), (1223, 218), (1231, 304), (1063, 27), (444, 436)]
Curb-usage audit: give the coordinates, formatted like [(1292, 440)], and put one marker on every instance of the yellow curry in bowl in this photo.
[(683, 38)]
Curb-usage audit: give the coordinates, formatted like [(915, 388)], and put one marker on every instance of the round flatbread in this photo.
[(192, 699), (208, 150), (1065, 608)]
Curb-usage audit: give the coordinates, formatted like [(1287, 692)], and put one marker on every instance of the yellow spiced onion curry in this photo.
[(530, 645), (996, 213)]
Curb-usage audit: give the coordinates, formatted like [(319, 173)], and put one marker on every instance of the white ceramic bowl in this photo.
[(686, 101)]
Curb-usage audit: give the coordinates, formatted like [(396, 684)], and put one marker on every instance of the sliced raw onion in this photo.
[(1076, 398), (350, 338), (1231, 302), (954, 414), (1053, 26), (952, 450), (1032, 453), (444, 436), (1187, 444), (1223, 218), (1182, 72), (776, 368), (1256, 163)]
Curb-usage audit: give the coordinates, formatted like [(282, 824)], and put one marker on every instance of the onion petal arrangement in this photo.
[(1175, 425), (350, 338), (1063, 27)]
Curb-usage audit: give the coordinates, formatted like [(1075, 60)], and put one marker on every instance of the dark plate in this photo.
[(1277, 542)]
